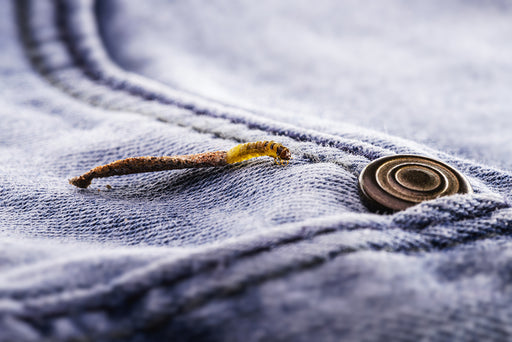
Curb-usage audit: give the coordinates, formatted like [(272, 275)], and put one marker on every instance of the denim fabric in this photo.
[(251, 251)]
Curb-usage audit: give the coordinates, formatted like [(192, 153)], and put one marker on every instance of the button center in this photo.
[(418, 178)]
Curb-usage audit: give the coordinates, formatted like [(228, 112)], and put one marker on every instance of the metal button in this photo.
[(397, 182)]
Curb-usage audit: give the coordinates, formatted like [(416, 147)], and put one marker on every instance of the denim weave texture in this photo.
[(252, 251)]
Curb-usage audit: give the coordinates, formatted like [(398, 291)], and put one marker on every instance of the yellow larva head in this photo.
[(283, 153)]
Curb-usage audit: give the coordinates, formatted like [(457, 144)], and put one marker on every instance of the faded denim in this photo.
[(253, 251)]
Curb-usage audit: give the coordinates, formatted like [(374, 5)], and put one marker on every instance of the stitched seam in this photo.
[(212, 264), (299, 136), (225, 293), (300, 236), (222, 293), (358, 150), (304, 136), (246, 254), (125, 86)]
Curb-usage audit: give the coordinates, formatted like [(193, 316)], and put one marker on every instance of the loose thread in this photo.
[(208, 159)]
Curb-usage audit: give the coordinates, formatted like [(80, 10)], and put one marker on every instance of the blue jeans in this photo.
[(250, 251)]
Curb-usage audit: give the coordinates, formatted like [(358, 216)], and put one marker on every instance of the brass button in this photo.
[(397, 182)]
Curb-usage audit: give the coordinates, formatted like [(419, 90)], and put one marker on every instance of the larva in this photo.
[(208, 159), (258, 149)]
